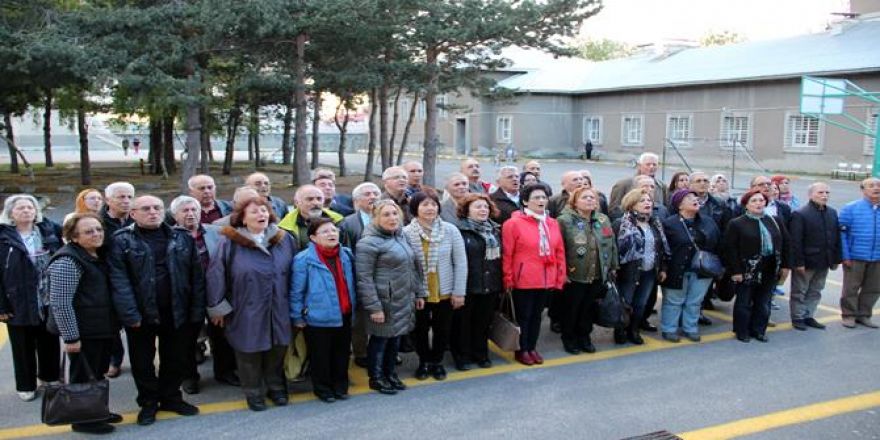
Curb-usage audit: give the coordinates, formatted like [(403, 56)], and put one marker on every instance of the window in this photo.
[(422, 110), (503, 128), (592, 130), (678, 129), (441, 107), (632, 130), (802, 132), (735, 131), (872, 122), (404, 107)]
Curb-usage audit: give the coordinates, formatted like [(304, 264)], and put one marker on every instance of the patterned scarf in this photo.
[(489, 231), (433, 239), (631, 241), (543, 232)]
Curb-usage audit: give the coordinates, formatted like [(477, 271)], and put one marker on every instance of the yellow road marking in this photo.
[(718, 315), (4, 336), (793, 416), (506, 355)]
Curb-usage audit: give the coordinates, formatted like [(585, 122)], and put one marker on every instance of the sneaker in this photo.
[(180, 407), (799, 324), (671, 337), (693, 337), (811, 322), (27, 396), (848, 322), (93, 428), (867, 322), (147, 415)]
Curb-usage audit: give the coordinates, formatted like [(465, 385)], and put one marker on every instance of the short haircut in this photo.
[(420, 197), (314, 224), (755, 179), (524, 174), (813, 186), (180, 201), (643, 177), (323, 173), (648, 155), (506, 168), (572, 200), (744, 200), (9, 203), (453, 176), (865, 182), (302, 189), (236, 219), (464, 205), (390, 170), (526, 193), (377, 209), (633, 197), (191, 183), (68, 230), (357, 192), (111, 189), (242, 189)]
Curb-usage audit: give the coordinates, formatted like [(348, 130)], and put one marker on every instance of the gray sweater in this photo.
[(452, 262)]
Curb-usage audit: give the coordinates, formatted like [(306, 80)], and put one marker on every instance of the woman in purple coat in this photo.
[(248, 294)]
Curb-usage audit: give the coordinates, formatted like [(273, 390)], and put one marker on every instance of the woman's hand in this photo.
[(420, 303), (73, 348), (5, 317), (783, 274), (219, 321), (457, 301), (737, 278), (377, 317), (661, 276)]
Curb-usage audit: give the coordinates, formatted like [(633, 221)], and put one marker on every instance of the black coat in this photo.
[(132, 276), (705, 233), (484, 276), (351, 228), (742, 242), (506, 207), (19, 278), (815, 237)]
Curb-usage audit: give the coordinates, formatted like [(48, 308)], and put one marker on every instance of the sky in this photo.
[(646, 21)]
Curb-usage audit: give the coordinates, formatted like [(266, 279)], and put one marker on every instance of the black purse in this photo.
[(613, 311), (704, 263), (69, 403)]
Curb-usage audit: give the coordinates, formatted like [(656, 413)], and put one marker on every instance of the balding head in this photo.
[(471, 168), (457, 186), (148, 212), (572, 180), (259, 182), (534, 167), (414, 172), (309, 201), (203, 189)]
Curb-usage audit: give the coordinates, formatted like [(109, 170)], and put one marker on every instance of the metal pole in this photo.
[(663, 169), (733, 166)]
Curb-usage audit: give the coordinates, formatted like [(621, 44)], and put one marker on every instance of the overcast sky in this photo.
[(646, 21)]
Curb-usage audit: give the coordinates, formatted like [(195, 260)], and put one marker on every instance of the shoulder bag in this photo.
[(69, 403), (704, 263), (504, 331)]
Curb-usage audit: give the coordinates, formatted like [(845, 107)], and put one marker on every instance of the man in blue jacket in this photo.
[(860, 243)]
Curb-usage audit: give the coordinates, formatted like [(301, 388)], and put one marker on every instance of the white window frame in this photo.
[(724, 131), (504, 129), (871, 120), (792, 133), (404, 107), (422, 110), (442, 101), (681, 139), (632, 142), (594, 136)]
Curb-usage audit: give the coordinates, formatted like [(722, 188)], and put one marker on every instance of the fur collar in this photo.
[(275, 234)]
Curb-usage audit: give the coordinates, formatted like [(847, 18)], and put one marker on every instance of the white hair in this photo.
[(506, 168), (191, 183), (112, 188), (388, 171), (813, 186), (9, 203), (455, 175), (357, 192), (648, 155), (181, 201)]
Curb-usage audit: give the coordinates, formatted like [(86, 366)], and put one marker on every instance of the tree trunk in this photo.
[(406, 130), (343, 128), (394, 118), (205, 142), (10, 143), (192, 127), (371, 142), (255, 131), (285, 137), (300, 163), (47, 128), (429, 155), (155, 144), (384, 150), (168, 164), (316, 129), (232, 122), (85, 165)]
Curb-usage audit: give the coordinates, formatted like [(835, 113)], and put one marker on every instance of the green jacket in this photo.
[(289, 224), (570, 224)]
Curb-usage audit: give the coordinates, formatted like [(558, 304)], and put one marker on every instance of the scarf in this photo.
[(433, 239), (631, 241), (489, 231), (543, 232), (331, 259), (766, 238)]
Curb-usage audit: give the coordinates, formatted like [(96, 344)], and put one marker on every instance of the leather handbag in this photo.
[(613, 309), (504, 331), (704, 263), (69, 403)]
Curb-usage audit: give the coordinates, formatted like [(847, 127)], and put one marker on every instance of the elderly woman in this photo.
[(756, 253), (390, 288), (82, 306), (642, 245), (249, 294), (591, 258), (27, 241), (683, 289), (440, 250), (533, 264), (322, 301), (482, 244)]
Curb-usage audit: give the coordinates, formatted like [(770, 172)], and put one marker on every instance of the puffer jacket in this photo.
[(314, 300), (484, 276), (523, 267), (389, 279), (19, 278), (571, 224), (860, 231)]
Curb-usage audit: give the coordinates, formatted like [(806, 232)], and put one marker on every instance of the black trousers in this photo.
[(579, 311), (117, 351), (435, 318), (191, 367), (329, 350), (751, 310), (382, 355), (652, 301), (261, 371), (470, 328), (173, 345), (529, 305), (97, 354), (35, 353), (221, 351)]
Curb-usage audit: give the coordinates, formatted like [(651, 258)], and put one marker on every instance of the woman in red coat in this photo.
[(533, 262)]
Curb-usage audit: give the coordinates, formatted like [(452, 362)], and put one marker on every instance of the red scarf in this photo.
[(338, 275)]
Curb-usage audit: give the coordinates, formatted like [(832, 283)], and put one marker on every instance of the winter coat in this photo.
[(451, 258), (257, 304), (132, 276), (815, 237), (19, 277), (279, 206), (350, 230), (860, 231), (389, 279), (704, 232), (506, 207), (523, 267), (571, 224), (484, 276), (342, 204), (741, 245), (314, 300), (290, 223)]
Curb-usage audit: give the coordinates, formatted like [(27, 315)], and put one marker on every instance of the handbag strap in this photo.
[(65, 366), (688, 231), (507, 300)]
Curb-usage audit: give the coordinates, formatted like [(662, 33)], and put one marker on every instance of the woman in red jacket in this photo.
[(533, 262)]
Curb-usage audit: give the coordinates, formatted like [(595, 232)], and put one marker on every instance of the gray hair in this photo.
[(181, 201), (357, 192), (238, 191), (506, 168), (112, 188), (813, 186), (697, 173), (388, 171), (6, 215), (192, 180), (648, 155), (323, 173)]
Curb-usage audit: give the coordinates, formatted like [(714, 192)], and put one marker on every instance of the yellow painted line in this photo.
[(834, 310), (4, 335), (360, 386), (506, 355), (718, 315), (793, 416)]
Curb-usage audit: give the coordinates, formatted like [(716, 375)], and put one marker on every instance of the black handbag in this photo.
[(704, 263), (69, 403), (613, 310)]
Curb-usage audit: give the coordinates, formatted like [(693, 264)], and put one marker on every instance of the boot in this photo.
[(634, 336)]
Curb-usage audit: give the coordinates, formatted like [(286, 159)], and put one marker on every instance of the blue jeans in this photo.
[(382, 356), (683, 304), (635, 290)]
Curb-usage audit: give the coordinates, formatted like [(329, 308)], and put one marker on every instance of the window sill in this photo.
[(796, 150)]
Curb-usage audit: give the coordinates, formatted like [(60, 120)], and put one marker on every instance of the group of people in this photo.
[(283, 290)]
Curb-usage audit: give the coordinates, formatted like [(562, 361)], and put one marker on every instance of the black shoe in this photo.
[(93, 428), (619, 336), (279, 398), (556, 327), (113, 418), (327, 398), (811, 322), (462, 366), (256, 404), (230, 379), (745, 339), (361, 362), (395, 382), (648, 327), (439, 373), (485, 363), (180, 407), (762, 338), (635, 338), (190, 386), (200, 353), (381, 385), (704, 321), (588, 347), (147, 415), (693, 337), (571, 348), (671, 337), (422, 372), (341, 396), (799, 324)]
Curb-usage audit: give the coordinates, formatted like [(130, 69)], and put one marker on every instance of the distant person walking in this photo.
[(137, 146), (125, 146), (588, 150)]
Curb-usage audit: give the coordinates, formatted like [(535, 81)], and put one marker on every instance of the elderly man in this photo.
[(115, 216), (774, 208), (325, 179), (647, 166), (456, 190), (415, 177), (308, 204), (187, 213), (815, 243), (571, 180), (860, 241), (159, 293), (263, 185), (506, 197), (203, 189), (240, 194), (471, 169), (394, 181)]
